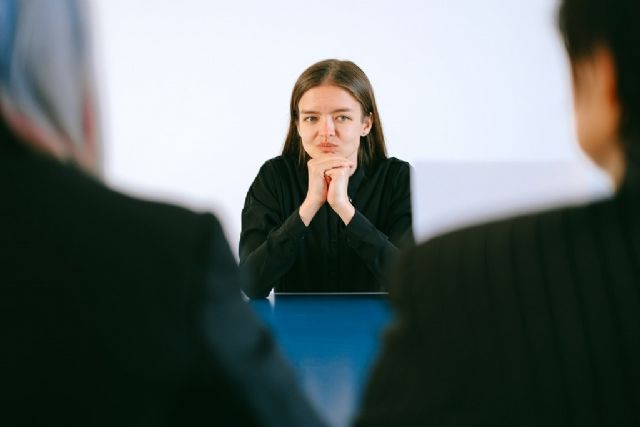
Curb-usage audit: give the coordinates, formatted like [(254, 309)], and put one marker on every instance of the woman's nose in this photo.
[(328, 128)]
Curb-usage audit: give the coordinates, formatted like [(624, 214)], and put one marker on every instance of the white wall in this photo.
[(195, 93)]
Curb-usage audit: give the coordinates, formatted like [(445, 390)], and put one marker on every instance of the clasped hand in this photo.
[(328, 182)]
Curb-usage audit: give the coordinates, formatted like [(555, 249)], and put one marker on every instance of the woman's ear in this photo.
[(367, 123)]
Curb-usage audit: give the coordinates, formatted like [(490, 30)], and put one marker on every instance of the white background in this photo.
[(195, 93)]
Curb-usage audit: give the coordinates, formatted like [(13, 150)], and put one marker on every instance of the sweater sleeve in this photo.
[(377, 249), (269, 241)]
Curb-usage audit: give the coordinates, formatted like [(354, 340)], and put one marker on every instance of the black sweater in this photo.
[(281, 253)]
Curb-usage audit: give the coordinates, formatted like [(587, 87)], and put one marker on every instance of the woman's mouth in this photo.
[(327, 147)]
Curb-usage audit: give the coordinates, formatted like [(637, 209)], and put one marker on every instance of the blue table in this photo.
[(331, 340)]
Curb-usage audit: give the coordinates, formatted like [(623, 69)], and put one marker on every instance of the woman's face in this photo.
[(331, 122)]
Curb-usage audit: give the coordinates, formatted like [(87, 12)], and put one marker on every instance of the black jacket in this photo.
[(121, 312), (531, 321), (281, 253)]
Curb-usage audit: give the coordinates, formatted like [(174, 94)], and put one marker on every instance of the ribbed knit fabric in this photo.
[(531, 321)]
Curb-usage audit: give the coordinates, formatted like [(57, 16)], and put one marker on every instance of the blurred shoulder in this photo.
[(471, 254), (68, 206), (171, 231), (516, 225)]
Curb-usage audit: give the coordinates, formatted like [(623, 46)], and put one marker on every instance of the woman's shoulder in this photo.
[(279, 170), (398, 163), (391, 165), (278, 164)]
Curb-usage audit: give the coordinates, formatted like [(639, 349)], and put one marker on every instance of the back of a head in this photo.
[(588, 24), (46, 79)]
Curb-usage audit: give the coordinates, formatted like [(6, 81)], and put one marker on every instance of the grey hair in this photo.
[(46, 78)]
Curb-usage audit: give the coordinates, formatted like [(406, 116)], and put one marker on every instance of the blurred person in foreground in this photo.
[(114, 311), (535, 320)]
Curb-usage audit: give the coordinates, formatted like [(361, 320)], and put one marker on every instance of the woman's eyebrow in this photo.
[(339, 110)]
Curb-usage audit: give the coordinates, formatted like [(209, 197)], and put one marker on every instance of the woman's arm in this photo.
[(375, 248), (269, 240)]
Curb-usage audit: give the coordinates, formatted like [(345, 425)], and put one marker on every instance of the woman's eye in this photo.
[(310, 119), (343, 118)]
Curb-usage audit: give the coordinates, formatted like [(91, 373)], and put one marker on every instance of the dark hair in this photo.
[(587, 24), (348, 76)]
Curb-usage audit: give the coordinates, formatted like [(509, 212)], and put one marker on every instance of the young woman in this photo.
[(330, 212)]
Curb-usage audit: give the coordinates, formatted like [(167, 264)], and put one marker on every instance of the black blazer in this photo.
[(532, 321), (121, 312)]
